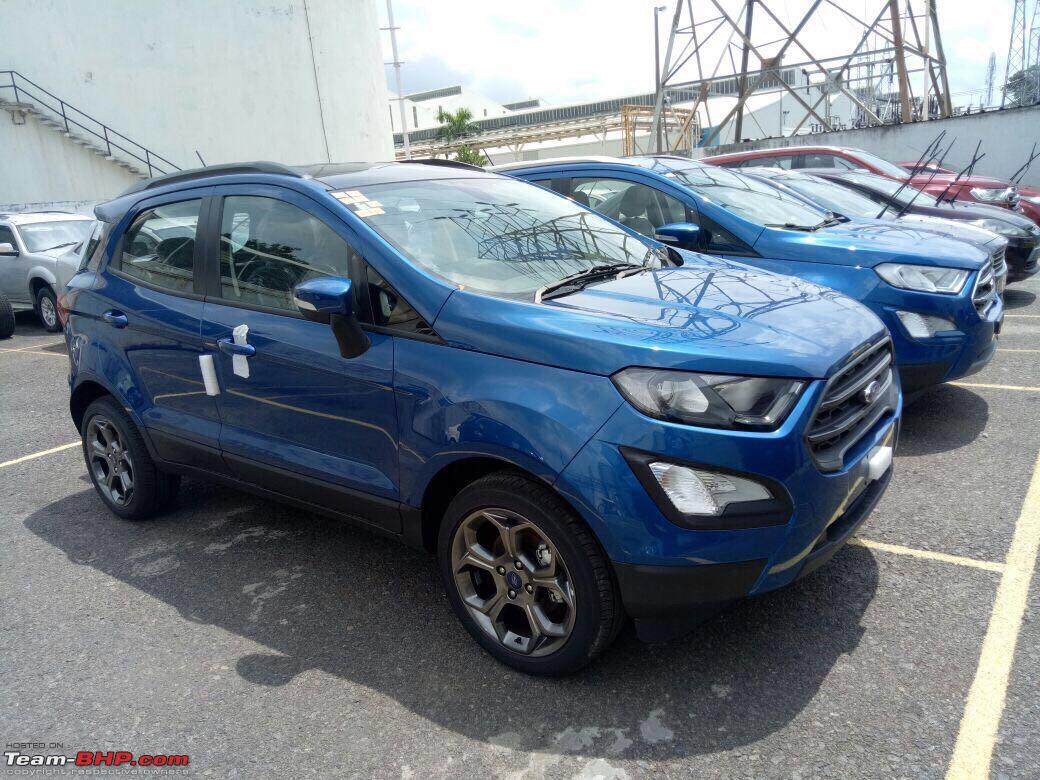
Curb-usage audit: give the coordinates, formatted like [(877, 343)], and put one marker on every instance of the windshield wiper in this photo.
[(795, 226), (59, 246), (581, 278)]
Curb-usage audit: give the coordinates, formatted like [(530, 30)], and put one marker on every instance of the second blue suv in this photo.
[(938, 296), (580, 423)]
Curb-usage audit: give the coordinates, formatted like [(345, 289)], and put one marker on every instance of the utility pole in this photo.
[(397, 79), (657, 71)]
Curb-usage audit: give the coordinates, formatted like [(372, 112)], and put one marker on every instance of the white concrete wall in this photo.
[(41, 167), (294, 81), (1007, 137)]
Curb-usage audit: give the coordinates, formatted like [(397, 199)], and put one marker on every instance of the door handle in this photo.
[(229, 347), (115, 318)]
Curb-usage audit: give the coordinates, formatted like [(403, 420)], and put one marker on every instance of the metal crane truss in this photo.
[(894, 34)]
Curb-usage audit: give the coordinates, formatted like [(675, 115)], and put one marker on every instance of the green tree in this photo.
[(1023, 88), (471, 155), (457, 125)]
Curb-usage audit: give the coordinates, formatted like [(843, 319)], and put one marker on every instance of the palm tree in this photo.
[(457, 125)]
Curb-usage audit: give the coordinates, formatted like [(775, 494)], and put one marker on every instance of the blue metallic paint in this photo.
[(523, 383)]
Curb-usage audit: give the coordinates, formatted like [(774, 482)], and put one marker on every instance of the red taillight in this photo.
[(63, 308)]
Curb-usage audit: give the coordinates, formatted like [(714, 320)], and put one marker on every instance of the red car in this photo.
[(981, 189)]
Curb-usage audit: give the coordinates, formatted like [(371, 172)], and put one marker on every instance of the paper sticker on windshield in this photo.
[(369, 212)]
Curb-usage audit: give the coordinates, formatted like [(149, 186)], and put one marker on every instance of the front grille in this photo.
[(985, 293), (998, 261), (851, 405)]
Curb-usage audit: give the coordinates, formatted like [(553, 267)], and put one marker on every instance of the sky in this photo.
[(573, 51)]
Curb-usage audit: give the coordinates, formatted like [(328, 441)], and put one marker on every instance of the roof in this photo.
[(778, 150), (31, 217), (331, 175), (560, 161)]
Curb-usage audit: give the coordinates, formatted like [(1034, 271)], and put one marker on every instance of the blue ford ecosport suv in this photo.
[(937, 296), (581, 423)]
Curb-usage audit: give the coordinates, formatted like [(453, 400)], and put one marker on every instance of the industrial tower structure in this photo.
[(713, 42), (1023, 59)]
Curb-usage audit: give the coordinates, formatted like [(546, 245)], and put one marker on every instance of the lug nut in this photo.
[(518, 565), (512, 594), (528, 588), (501, 569)]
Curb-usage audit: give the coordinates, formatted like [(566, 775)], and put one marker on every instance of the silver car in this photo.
[(39, 253)]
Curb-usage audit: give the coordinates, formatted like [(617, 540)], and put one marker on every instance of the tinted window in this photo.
[(634, 205), (750, 197), (780, 161), (390, 310), (7, 237), (268, 246), (95, 248), (880, 164), (159, 247), (492, 234)]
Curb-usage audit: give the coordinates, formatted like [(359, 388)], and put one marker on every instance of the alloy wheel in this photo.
[(110, 463), (513, 581), (48, 313)]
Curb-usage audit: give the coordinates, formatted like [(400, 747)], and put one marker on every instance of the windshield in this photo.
[(880, 164), (494, 235), (901, 193), (41, 236), (833, 197), (751, 198)]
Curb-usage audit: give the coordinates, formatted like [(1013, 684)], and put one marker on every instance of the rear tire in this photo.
[(47, 309), (526, 577), (123, 473), (7, 321)]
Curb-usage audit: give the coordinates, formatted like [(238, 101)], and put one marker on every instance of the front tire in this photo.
[(47, 309), (123, 473), (526, 577)]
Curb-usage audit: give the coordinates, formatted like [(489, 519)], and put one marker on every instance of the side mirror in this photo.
[(8, 250), (684, 235), (330, 299)]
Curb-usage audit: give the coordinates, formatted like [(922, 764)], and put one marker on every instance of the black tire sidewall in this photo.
[(7, 319), (47, 292), (576, 651), (143, 501)]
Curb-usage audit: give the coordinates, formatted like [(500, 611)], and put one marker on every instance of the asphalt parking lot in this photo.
[(263, 642)]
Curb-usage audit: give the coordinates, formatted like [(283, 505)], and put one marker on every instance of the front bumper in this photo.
[(948, 355), (667, 573), (1023, 259)]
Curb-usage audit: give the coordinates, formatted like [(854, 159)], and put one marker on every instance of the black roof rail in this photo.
[(261, 166), (443, 163)]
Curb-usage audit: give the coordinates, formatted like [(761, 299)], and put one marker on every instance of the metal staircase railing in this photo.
[(13, 83)]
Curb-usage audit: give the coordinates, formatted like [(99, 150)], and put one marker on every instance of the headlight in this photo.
[(924, 326), (991, 195), (925, 278), (710, 400), (1001, 227)]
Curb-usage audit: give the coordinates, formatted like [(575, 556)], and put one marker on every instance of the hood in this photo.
[(974, 210), (960, 230), (867, 243), (706, 315)]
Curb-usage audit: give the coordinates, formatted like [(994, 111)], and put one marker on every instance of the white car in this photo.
[(39, 253)]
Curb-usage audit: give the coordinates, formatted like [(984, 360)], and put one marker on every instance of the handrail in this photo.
[(155, 163)]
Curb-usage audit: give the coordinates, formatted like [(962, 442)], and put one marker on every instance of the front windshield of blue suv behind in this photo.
[(752, 199), (496, 235)]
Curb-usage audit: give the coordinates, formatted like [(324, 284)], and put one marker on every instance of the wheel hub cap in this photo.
[(111, 468), (513, 581)]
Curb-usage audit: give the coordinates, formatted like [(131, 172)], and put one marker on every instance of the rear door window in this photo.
[(159, 246)]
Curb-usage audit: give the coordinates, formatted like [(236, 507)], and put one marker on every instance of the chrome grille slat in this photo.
[(843, 415)]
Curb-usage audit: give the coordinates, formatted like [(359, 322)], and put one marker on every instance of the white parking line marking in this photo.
[(25, 351), (980, 723), (34, 455), (914, 552), (1025, 316), (1018, 350), (1019, 388)]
